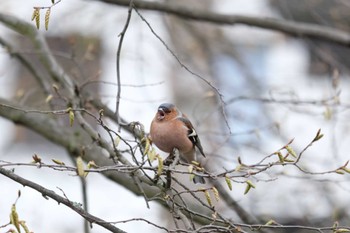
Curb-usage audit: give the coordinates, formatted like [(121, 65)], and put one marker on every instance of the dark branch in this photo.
[(49, 193), (289, 27), (121, 39)]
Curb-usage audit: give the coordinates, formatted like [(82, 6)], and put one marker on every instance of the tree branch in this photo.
[(121, 39), (49, 193), (292, 28), (73, 141)]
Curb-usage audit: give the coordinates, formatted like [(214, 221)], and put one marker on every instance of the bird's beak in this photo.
[(160, 114)]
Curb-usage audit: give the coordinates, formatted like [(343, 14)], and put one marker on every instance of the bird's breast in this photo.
[(167, 136)]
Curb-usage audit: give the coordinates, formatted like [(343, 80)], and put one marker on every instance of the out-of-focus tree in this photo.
[(209, 68), (325, 57)]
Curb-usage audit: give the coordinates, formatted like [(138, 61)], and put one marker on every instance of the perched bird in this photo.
[(172, 129)]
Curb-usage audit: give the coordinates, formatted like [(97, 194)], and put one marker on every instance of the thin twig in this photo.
[(47, 7), (122, 34), (332, 100), (142, 220), (137, 181), (221, 97)]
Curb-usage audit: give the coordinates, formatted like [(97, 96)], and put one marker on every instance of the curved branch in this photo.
[(292, 28), (121, 39), (49, 193)]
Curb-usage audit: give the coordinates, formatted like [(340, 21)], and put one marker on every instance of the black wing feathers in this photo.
[(192, 135)]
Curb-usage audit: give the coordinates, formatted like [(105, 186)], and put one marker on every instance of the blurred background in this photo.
[(275, 88)]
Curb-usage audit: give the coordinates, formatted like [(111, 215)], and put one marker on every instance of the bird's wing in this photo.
[(192, 134)]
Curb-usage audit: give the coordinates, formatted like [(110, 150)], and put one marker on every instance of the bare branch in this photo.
[(49, 193), (296, 29), (122, 34)]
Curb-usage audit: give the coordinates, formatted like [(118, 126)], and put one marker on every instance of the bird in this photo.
[(171, 129)]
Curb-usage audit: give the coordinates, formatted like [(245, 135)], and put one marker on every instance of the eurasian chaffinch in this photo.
[(172, 129)]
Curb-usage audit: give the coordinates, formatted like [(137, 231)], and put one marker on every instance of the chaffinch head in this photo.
[(172, 129)]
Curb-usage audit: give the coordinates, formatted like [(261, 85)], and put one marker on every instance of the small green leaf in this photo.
[(47, 18), (248, 187), (280, 156), (190, 168), (24, 226), (14, 218), (92, 164), (147, 143), (228, 182), (216, 194), (101, 112), (55, 87), (37, 19), (152, 155), (286, 159), (341, 230), (117, 141), (339, 171), (80, 167), (71, 117), (318, 136), (48, 98), (238, 168), (34, 14), (291, 151), (207, 196), (160, 165), (346, 169), (250, 183), (270, 222), (56, 161), (195, 163)]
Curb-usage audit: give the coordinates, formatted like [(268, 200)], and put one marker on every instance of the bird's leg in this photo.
[(171, 161), (167, 162)]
